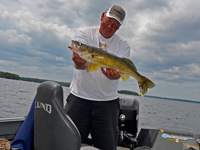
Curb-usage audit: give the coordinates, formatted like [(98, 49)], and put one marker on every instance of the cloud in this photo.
[(163, 35), (5, 62), (59, 58), (34, 41)]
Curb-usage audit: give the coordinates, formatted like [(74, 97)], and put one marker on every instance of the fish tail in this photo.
[(143, 86)]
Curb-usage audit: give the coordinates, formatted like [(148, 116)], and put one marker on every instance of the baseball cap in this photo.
[(116, 12)]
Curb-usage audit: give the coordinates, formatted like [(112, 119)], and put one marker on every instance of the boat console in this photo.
[(150, 139), (128, 121), (165, 139)]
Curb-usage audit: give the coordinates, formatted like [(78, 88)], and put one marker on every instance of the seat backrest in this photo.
[(53, 129)]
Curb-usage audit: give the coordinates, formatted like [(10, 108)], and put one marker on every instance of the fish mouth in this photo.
[(75, 45)]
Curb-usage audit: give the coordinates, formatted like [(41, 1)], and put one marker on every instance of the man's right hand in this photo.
[(79, 63)]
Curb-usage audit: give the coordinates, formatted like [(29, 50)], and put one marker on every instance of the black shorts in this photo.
[(98, 118)]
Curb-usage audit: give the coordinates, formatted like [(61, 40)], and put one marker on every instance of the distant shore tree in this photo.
[(17, 77), (128, 92), (43, 80), (8, 75)]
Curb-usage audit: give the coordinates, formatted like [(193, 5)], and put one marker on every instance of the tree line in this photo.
[(43, 80), (8, 75), (128, 92), (17, 77), (13, 76)]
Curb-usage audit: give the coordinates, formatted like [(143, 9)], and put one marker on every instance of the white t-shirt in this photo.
[(95, 85)]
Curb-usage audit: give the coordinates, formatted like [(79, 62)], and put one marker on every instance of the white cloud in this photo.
[(8, 63), (59, 59), (194, 69), (163, 34), (172, 70)]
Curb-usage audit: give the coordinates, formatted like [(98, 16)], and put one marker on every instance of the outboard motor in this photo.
[(128, 121)]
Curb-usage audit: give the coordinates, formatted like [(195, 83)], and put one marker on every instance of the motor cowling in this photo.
[(128, 120)]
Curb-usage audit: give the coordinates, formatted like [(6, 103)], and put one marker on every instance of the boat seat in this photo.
[(53, 129)]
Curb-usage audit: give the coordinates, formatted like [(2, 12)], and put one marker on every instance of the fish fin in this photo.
[(92, 66), (124, 76), (145, 85), (149, 83), (130, 62)]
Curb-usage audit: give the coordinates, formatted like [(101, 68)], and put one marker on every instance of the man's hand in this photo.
[(111, 73), (79, 63)]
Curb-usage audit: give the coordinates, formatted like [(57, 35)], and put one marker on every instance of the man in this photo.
[(93, 103)]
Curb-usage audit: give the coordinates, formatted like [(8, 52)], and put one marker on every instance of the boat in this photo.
[(51, 129)]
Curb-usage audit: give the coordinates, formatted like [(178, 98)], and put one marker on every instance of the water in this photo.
[(16, 98)]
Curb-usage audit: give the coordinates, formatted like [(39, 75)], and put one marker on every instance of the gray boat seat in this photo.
[(53, 129)]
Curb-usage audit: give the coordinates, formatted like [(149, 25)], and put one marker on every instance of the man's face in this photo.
[(108, 26)]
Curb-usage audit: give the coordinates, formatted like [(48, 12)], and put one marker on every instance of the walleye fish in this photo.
[(100, 58)]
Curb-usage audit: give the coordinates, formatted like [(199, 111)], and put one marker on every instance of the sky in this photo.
[(164, 36)]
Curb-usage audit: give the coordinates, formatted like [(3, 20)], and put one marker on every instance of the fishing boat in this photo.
[(49, 128)]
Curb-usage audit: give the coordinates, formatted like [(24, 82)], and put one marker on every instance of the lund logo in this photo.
[(43, 106)]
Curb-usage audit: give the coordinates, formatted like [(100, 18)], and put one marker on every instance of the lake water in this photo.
[(16, 98)]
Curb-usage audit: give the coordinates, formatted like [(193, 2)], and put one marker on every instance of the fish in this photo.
[(97, 58)]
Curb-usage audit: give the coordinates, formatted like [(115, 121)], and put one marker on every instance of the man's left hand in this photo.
[(111, 73)]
